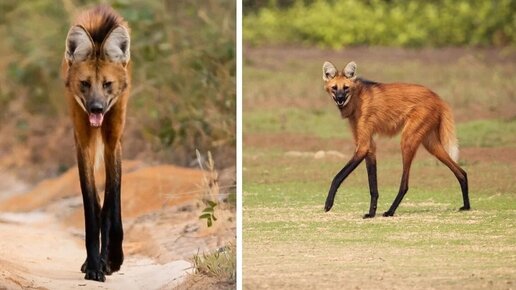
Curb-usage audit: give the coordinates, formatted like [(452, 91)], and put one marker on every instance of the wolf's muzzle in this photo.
[(96, 113), (341, 98)]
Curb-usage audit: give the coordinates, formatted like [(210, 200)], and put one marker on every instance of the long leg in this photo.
[(91, 212), (411, 138), (360, 154), (112, 231), (433, 146), (408, 156), (373, 183)]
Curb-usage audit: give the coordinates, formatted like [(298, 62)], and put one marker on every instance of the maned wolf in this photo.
[(96, 70), (386, 109)]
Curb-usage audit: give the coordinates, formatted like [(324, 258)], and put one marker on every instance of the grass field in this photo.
[(295, 142)]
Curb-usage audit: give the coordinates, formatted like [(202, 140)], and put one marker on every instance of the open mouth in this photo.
[(96, 119), (341, 101)]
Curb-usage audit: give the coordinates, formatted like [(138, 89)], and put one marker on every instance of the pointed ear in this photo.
[(329, 71), (350, 70), (78, 45), (117, 46)]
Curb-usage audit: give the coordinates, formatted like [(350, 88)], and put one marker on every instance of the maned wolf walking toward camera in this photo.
[(386, 109), (96, 70)]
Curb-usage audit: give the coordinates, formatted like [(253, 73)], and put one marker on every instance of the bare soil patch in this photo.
[(505, 155)]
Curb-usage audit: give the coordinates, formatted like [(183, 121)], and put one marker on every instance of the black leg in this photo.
[(112, 231), (463, 180), (339, 178), (403, 190), (373, 185), (408, 151), (439, 152), (106, 226), (91, 216)]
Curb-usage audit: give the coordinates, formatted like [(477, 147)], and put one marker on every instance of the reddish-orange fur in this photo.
[(386, 109), (97, 75)]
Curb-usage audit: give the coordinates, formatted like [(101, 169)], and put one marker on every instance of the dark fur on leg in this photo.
[(113, 230), (339, 178), (92, 218), (373, 184)]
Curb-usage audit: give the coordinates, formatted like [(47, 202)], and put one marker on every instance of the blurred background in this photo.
[(295, 142), (415, 23), (183, 95)]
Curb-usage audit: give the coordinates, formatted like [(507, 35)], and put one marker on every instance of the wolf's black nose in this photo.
[(96, 107)]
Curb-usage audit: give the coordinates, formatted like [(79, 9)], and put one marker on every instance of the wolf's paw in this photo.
[(106, 268), (116, 258), (83, 267), (368, 216), (464, 208), (388, 214), (328, 205), (95, 275)]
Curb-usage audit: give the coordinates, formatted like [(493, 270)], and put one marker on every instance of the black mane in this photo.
[(367, 83), (107, 22)]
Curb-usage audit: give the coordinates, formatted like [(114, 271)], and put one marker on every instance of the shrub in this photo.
[(416, 23)]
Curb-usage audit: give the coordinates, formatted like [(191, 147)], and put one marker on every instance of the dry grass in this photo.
[(215, 270), (220, 264)]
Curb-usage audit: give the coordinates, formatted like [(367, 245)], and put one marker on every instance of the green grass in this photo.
[(283, 207), (314, 122), (487, 133)]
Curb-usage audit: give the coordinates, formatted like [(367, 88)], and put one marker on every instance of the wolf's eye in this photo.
[(85, 85), (346, 87), (107, 85), (334, 88)]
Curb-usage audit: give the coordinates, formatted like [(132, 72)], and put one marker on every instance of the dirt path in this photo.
[(43, 255), (42, 232)]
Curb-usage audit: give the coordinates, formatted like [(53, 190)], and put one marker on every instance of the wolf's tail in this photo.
[(447, 134)]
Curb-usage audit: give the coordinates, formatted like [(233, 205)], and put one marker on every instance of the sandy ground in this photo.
[(42, 232), (54, 260)]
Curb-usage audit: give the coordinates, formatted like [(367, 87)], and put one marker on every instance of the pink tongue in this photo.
[(96, 119)]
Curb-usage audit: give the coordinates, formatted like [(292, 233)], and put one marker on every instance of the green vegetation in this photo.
[(324, 124), (183, 96), (487, 133), (337, 24)]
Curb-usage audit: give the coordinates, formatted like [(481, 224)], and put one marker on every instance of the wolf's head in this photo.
[(97, 56), (338, 84)]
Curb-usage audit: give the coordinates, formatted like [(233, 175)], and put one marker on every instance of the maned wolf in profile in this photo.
[(386, 109), (96, 70)]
